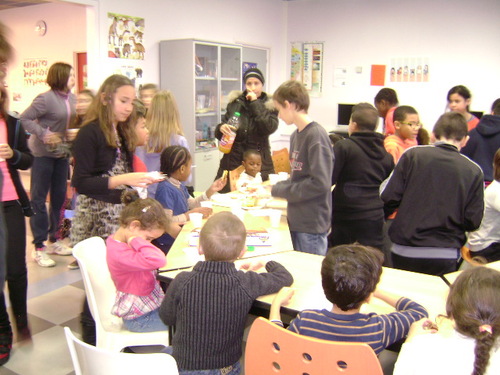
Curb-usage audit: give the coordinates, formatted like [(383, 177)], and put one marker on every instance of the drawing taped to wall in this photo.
[(125, 37), (409, 69), (35, 72)]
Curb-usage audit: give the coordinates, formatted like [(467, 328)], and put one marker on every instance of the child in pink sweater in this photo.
[(132, 262)]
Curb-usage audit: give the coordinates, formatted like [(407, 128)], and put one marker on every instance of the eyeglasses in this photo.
[(413, 125)]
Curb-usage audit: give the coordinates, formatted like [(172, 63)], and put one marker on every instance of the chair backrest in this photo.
[(281, 161), (273, 350), (234, 175), (90, 360), (99, 287), (470, 258)]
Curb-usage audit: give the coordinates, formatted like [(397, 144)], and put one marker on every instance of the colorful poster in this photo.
[(125, 37), (409, 69), (307, 66), (35, 72)]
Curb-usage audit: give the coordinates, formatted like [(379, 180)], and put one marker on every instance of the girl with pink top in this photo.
[(133, 260)]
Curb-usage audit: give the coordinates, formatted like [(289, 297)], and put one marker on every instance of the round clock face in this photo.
[(41, 28)]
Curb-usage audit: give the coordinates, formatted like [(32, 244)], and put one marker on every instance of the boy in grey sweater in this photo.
[(308, 190)]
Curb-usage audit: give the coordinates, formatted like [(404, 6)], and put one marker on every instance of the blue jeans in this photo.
[(235, 370), (313, 243), (149, 322), (47, 174)]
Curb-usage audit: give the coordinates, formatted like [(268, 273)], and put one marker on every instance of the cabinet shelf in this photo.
[(201, 75)]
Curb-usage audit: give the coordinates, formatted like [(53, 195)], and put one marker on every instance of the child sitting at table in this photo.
[(465, 343), (252, 161), (209, 305), (175, 163), (350, 274), (132, 261)]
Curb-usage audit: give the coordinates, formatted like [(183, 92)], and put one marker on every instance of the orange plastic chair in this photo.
[(281, 161), (273, 350), (471, 259), (234, 175)]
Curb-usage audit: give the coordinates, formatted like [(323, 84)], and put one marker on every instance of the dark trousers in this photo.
[(47, 175), (17, 275), (365, 232), (491, 253), (429, 266)]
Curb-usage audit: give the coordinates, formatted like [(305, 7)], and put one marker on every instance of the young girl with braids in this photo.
[(175, 163), (467, 342), (133, 261)]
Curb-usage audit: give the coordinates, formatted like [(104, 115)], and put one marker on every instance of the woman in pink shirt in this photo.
[(14, 155)]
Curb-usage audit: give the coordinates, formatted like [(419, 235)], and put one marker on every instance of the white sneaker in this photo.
[(59, 248), (42, 258)]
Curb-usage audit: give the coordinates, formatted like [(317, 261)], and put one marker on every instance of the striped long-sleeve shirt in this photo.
[(209, 308), (378, 331)]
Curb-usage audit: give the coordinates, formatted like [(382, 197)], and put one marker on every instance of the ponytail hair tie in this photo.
[(486, 328)]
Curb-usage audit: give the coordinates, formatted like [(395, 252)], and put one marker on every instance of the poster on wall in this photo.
[(307, 65), (35, 72), (409, 69), (125, 37)]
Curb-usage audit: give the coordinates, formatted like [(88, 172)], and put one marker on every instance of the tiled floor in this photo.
[(55, 297)]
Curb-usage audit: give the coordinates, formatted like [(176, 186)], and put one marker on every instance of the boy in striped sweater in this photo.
[(350, 274), (209, 305)]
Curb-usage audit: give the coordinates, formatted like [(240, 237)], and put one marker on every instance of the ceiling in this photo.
[(8, 4)]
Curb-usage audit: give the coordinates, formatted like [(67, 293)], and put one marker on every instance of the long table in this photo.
[(452, 276), (430, 291), (181, 255)]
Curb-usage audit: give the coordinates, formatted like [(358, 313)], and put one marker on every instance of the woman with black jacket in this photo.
[(14, 155), (258, 121)]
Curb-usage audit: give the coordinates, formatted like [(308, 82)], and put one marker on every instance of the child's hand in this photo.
[(422, 327), (251, 266), (216, 186), (284, 296), (206, 211), (227, 129)]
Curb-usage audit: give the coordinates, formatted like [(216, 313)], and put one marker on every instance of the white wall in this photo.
[(460, 37), (224, 21), (66, 34)]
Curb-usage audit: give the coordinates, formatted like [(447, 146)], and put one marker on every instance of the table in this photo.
[(428, 290), (183, 256), (452, 276)]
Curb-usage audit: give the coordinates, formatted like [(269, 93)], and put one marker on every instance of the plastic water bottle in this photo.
[(226, 143)]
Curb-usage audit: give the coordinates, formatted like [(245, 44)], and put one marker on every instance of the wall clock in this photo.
[(41, 28)]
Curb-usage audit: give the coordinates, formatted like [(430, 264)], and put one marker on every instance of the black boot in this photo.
[(88, 325), (5, 343)]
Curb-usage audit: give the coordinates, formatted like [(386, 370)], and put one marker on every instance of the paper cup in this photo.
[(274, 178), (283, 176), (208, 204), (275, 218), (196, 218)]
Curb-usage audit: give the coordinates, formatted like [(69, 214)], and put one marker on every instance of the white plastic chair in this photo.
[(90, 360), (101, 293)]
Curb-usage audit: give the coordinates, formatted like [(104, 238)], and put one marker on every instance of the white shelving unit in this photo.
[(201, 75)]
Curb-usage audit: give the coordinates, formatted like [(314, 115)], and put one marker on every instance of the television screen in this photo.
[(344, 114)]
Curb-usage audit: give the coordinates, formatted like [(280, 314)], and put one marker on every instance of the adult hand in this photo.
[(5, 151), (227, 129), (52, 139), (251, 96)]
